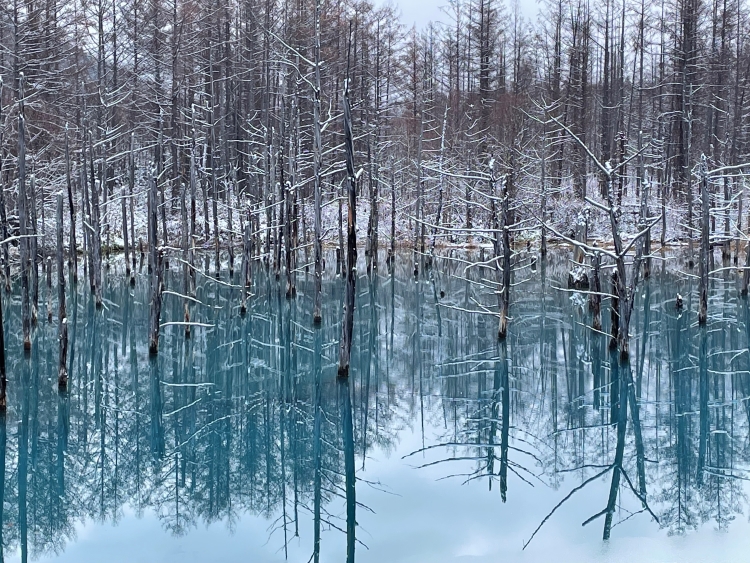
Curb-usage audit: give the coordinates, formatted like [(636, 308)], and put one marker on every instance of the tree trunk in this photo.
[(3, 209), (125, 239), (595, 298), (703, 265), (317, 165), (62, 377), (73, 250), (96, 238), (34, 252), (347, 325), (155, 267), (505, 226), (3, 374), (131, 188), (23, 222), (186, 266)]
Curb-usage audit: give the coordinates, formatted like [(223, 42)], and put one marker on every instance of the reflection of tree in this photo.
[(685, 422), (247, 416)]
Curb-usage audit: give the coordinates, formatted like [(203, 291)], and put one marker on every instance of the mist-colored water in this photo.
[(233, 445)]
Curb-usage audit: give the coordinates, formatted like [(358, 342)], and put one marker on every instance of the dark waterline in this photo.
[(233, 445)]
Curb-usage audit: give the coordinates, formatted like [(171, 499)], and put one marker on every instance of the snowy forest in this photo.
[(559, 204), (254, 126)]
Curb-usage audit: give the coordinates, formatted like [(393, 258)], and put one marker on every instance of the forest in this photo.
[(252, 128), (298, 150)]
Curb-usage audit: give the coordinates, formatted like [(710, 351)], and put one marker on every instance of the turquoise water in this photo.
[(443, 445)]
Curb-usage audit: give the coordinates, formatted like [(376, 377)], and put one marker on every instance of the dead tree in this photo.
[(595, 297), (23, 220), (33, 251), (155, 259), (62, 376), (392, 247), (317, 180), (505, 225), (439, 212), (186, 263), (96, 232), (3, 209), (73, 249), (347, 325), (125, 239), (131, 188), (3, 375), (623, 292), (703, 264), (246, 263)]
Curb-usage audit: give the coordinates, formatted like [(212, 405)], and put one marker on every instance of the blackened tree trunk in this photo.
[(502, 331), (543, 198), (62, 375), (33, 252), (131, 189), (615, 311), (317, 166), (3, 209), (703, 262), (3, 375), (96, 238), (155, 266), (23, 222), (351, 243), (595, 297), (246, 263), (392, 248), (186, 265), (125, 238), (73, 250)]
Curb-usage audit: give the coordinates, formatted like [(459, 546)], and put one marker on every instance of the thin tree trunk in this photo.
[(131, 189), (393, 213), (703, 265), (34, 252), (73, 250), (351, 246), (543, 199), (186, 266), (23, 222), (317, 166), (125, 239), (505, 226), (3, 374), (3, 209), (595, 298), (96, 238), (439, 213), (155, 267), (62, 377), (246, 263)]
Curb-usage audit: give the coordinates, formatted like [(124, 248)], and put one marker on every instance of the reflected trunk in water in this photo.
[(347, 435)]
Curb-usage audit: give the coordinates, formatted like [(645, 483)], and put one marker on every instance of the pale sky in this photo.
[(421, 12)]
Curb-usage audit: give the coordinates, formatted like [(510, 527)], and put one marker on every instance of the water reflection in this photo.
[(247, 416)]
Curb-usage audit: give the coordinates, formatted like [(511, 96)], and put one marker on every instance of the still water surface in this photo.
[(240, 444)]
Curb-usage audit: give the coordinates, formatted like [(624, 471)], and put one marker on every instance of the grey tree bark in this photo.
[(62, 374), (351, 244)]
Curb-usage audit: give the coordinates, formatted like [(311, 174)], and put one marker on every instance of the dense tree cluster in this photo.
[(231, 87), (246, 123)]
